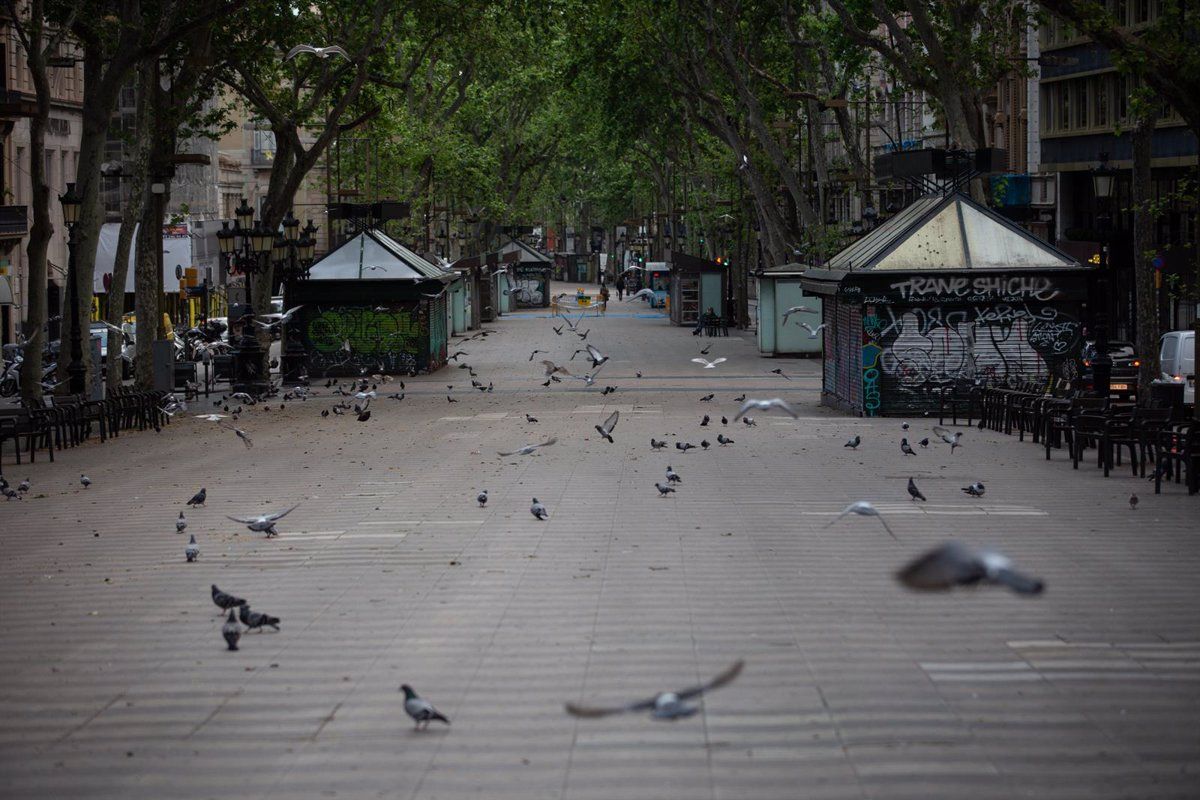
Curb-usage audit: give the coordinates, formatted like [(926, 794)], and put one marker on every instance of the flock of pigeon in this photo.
[(950, 565)]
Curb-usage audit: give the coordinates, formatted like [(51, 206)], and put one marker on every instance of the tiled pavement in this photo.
[(116, 683)]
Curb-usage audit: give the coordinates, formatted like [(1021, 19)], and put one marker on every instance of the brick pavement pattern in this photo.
[(117, 684)]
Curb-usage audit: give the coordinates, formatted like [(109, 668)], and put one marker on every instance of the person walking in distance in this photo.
[(603, 299), (620, 287)]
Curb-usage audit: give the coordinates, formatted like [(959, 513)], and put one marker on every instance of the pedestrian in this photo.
[(620, 287), (603, 299)]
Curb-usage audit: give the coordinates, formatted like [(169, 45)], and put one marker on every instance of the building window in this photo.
[(1064, 106), (1080, 90), (1099, 87)]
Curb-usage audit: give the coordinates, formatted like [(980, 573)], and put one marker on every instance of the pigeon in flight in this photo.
[(657, 445), (482, 498), (646, 293), (557, 330), (192, 550), (596, 356), (948, 437), (853, 442), (779, 372), (538, 510), (181, 523), (241, 434), (765, 405), (706, 350), (534, 353), (863, 509), (954, 564), (552, 368), (795, 310), (607, 391), (813, 332), (723, 440), (264, 522), (211, 417), (664, 489), (976, 489), (709, 364), (664, 705), (450, 399), (606, 429), (421, 710), (913, 491), (85, 481), (707, 398), (906, 448), (231, 631), (673, 476), (255, 620), (319, 52), (364, 415), (224, 600), (529, 448)]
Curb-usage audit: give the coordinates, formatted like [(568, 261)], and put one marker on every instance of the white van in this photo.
[(1177, 359)]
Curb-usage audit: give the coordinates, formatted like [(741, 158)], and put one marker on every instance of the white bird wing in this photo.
[(244, 521), (596, 354), (943, 434), (746, 406), (720, 360), (334, 50), (298, 49), (717, 682), (703, 361), (548, 442), (783, 404), (640, 293)]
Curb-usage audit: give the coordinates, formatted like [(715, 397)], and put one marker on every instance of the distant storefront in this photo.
[(945, 293)]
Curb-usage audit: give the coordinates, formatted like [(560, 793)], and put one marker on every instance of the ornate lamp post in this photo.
[(247, 248), (1104, 180), (71, 204), (293, 255)]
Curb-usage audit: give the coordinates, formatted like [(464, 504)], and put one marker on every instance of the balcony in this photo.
[(16, 104), (261, 158), (14, 222)]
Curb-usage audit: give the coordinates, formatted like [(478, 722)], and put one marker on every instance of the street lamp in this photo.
[(292, 254), (247, 248), (1104, 179), (71, 204)]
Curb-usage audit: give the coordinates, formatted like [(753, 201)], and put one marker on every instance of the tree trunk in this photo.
[(115, 308), (145, 304), (42, 228), (1143, 253)]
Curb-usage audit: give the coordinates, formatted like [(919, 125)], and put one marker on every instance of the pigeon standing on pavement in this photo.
[(704, 444), (925, 442), (673, 476), (530, 419), (723, 440), (254, 620), (664, 489), (231, 631), (23, 486), (704, 422), (664, 705), (954, 564), (224, 600), (853, 442), (913, 491), (707, 398), (85, 481), (421, 710), (482, 498), (192, 551), (749, 422), (181, 523), (538, 510), (657, 445), (198, 498), (976, 489), (1133, 502), (684, 446), (906, 448)]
